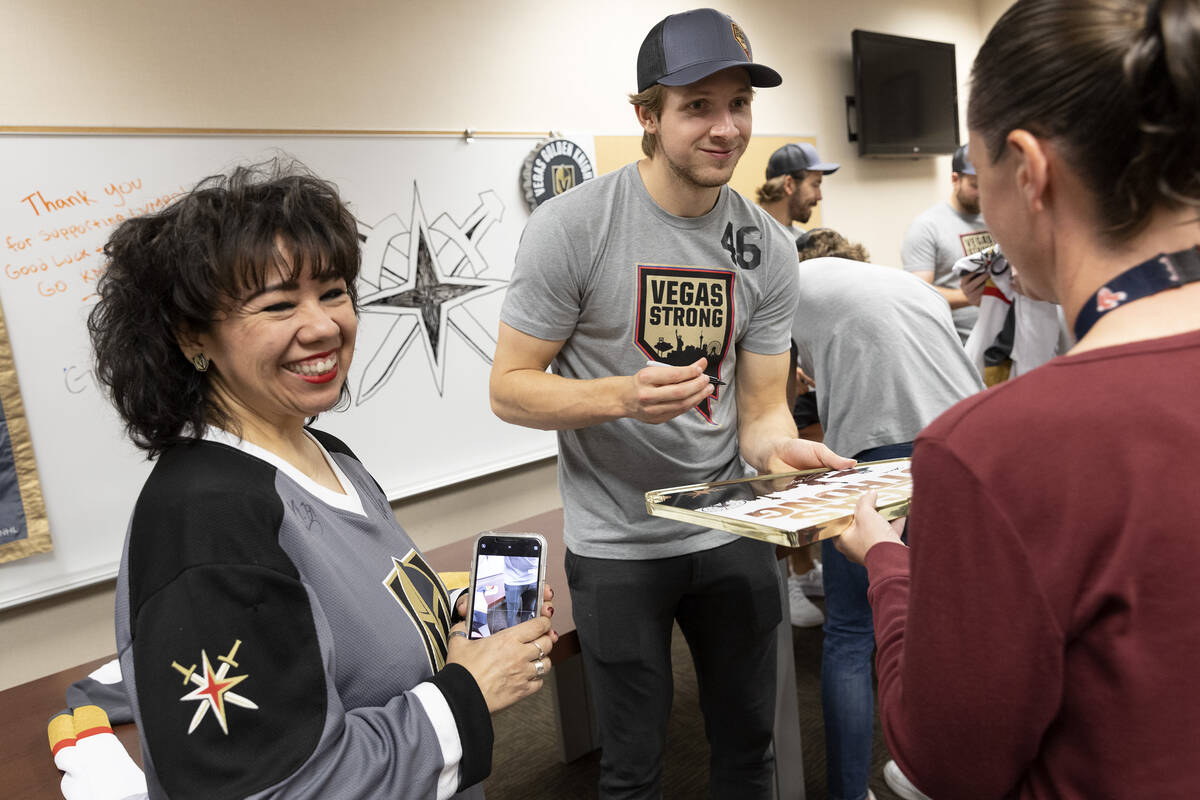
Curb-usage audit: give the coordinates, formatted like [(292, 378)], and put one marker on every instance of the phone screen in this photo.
[(506, 582)]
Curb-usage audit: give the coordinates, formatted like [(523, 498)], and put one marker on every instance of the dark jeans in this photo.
[(519, 601), (726, 601), (847, 693)]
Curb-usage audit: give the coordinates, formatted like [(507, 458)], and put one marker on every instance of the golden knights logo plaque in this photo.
[(553, 167)]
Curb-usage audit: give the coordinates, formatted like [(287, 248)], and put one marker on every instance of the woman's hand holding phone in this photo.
[(505, 664)]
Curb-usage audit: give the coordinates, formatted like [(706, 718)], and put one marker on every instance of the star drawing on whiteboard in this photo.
[(426, 301)]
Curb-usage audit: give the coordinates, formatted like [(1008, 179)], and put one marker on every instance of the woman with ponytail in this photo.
[(1039, 639)]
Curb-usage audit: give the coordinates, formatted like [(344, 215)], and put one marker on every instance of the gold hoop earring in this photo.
[(200, 362)]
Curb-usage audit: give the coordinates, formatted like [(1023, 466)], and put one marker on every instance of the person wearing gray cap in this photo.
[(793, 187), (943, 234), (791, 192), (661, 261)]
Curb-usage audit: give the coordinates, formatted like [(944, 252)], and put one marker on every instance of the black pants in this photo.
[(726, 601)]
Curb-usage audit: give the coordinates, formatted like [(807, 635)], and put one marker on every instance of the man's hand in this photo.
[(804, 381), (973, 284), (867, 530), (661, 393), (793, 454)]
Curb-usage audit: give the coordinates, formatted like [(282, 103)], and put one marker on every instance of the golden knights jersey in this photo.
[(280, 639)]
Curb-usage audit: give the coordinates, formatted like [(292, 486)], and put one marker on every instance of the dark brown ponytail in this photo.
[(1115, 83)]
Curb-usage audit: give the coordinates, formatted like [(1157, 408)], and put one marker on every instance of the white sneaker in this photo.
[(899, 783), (803, 611), (812, 582)]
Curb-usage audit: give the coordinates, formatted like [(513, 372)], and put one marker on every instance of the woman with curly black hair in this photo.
[(279, 634)]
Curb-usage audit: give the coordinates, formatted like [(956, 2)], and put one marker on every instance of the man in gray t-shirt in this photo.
[(943, 234), (887, 361), (661, 261), (880, 347)]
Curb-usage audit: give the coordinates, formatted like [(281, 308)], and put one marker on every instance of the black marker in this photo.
[(711, 379)]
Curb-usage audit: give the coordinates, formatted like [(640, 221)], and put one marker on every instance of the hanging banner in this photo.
[(24, 529)]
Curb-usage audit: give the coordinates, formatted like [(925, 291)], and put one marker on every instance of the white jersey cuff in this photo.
[(442, 719)]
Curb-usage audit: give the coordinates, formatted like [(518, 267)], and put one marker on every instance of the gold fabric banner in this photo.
[(24, 529)]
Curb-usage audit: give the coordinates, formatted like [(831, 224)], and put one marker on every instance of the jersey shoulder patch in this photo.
[(204, 503), (228, 672)]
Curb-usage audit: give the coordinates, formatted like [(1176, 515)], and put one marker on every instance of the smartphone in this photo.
[(508, 571)]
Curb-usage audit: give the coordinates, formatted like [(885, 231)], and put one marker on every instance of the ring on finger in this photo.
[(540, 666), (541, 652)]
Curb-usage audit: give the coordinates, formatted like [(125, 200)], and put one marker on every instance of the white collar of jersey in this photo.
[(350, 501)]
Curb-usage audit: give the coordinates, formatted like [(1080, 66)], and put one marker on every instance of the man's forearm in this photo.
[(955, 297), (760, 436), (551, 402)]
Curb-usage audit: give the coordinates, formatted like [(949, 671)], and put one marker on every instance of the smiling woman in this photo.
[(221, 258), (226, 322)]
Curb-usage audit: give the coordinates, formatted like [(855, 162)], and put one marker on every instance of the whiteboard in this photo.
[(419, 417)]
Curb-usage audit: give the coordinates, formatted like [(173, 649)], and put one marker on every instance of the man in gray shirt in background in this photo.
[(662, 261), (943, 234), (793, 186)]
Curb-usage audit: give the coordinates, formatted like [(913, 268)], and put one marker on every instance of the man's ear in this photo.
[(647, 120), (1032, 168), (789, 184)]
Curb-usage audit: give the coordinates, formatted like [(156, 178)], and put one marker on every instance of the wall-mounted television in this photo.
[(905, 96)]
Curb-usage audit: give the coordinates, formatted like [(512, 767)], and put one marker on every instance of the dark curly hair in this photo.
[(173, 272), (1115, 83)]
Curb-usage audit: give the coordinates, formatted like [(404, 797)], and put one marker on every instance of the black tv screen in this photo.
[(906, 95)]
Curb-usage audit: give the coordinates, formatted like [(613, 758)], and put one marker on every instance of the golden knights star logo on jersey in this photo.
[(683, 314), (420, 592), (213, 688)]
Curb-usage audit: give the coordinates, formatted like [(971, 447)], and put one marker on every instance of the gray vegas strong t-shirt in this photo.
[(935, 240), (621, 281)]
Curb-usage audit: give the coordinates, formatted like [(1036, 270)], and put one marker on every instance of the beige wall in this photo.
[(501, 65), (990, 11)]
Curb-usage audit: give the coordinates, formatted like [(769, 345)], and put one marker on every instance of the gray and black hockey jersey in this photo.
[(278, 639)]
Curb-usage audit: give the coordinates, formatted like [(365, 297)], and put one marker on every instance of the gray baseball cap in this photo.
[(687, 47), (961, 162), (798, 157)]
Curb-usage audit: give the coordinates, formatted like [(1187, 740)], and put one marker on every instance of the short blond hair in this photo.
[(826, 242), (653, 100)]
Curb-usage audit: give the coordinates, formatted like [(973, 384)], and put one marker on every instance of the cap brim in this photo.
[(825, 169), (761, 76)]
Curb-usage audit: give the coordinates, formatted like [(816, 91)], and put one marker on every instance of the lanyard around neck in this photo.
[(1163, 271)]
